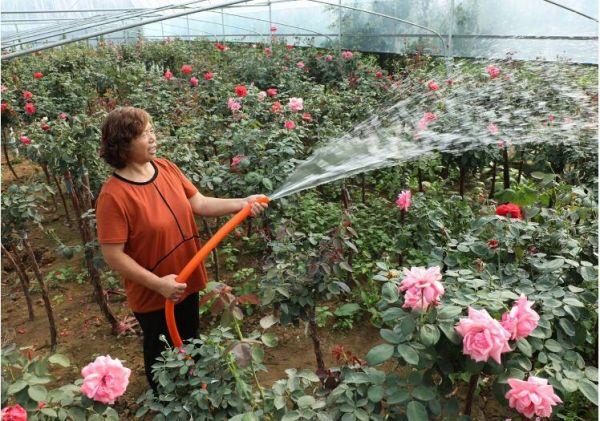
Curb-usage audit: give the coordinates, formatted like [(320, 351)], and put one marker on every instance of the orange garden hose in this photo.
[(198, 259)]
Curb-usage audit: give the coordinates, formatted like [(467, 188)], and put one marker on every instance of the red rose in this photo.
[(378, 75), (38, 75), (168, 75), (45, 127), (186, 69), (3, 106), (306, 117), (241, 91), (493, 244), (433, 86), (27, 95), (509, 210), (271, 92), (208, 76), (30, 108), (276, 107), (14, 413)]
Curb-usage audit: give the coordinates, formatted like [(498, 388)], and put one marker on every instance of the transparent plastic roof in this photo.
[(525, 29)]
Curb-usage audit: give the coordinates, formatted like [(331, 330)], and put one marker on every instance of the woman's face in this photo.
[(143, 148)]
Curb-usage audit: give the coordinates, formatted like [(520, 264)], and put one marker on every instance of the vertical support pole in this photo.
[(270, 23), (187, 21), (162, 29), (339, 26), (222, 26), (449, 53)]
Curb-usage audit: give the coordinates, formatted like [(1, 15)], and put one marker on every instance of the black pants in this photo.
[(153, 324)]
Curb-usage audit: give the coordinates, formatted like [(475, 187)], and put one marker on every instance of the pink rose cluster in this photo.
[(105, 379), (427, 119), (233, 105), (422, 287), (485, 337), (532, 397), (296, 104), (347, 55)]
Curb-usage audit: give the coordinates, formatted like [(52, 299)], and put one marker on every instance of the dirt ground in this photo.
[(84, 334)]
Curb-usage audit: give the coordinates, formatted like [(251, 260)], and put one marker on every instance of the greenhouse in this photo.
[(299, 210)]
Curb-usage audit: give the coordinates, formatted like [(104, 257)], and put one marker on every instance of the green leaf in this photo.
[(553, 346), (429, 334), (525, 347), (49, 412), (567, 326), (415, 411), (375, 393), (59, 359), (397, 397), (379, 354), (269, 339), (348, 309), (448, 312), (573, 302), (450, 333), (423, 393), (390, 336), (409, 354), (17, 386), (268, 321), (589, 390), (306, 401), (38, 393), (551, 265), (591, 373)]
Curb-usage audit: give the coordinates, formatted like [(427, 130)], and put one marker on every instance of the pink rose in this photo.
[(63, 116), (425, 121), (272, 92), (208, 76), (186, 69), (483, 337), (268, 52), (521, 320), (290, 125), (296, 104), (403, 200), (378, 75), (276, 107), (328, 57), (300, 65), (306, 117), (449, 82), (27, 95), (273, 28), (532, 397), (423, 287), (233, 105), (168, 75), (493, 71), (14, 413), (347, 55), (194, 81), (262, 95), (105, 379), (433, 86)]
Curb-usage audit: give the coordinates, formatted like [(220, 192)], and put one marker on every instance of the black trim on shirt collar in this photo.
[(139, 183)]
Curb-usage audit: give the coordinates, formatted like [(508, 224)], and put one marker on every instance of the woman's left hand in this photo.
[(257, 207)]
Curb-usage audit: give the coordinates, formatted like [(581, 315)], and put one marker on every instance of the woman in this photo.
[(146, 228)]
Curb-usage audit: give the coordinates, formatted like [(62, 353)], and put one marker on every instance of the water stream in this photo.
[(530, 103)]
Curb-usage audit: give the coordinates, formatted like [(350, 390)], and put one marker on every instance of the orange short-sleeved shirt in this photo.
[(155, 221)]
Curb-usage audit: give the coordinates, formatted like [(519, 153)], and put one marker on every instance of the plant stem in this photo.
[(5, 150), (471, 393), (314, 334), (493, 184), (241, 336), (22, 277), (506, 168)]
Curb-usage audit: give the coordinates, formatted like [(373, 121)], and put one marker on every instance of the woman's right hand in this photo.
[(170, 288)]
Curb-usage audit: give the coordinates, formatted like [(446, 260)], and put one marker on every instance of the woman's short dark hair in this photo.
[(121, 126)]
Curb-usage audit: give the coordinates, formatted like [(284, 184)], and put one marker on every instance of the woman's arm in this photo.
[(167, 286), (211, 206)]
